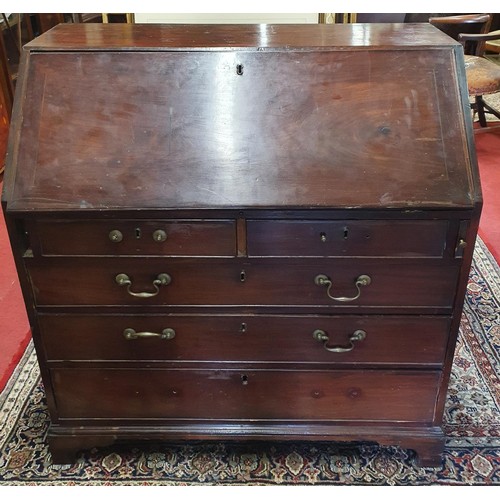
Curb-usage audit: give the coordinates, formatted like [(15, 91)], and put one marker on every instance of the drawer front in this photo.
[(373, 238), (234, 394), (242, 282), (401, 340), (138, 237)]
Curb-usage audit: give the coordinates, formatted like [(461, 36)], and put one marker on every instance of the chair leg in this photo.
[(480, 111), (490, 110)]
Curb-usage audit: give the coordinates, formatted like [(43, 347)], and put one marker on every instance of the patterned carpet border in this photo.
[(472, 427)]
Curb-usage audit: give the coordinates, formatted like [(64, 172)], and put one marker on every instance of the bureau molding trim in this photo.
[(428, 442)]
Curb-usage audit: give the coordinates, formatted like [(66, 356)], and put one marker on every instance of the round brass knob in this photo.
[(115, 236), (159, 235)]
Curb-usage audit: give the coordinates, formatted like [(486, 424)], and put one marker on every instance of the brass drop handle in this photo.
[(322, 336), (131, 334), (162, 279), (323, 280)]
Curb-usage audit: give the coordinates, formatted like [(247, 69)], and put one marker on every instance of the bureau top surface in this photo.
[(103, 122), (257, 36)]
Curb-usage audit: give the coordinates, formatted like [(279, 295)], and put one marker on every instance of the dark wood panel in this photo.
[(237, 394), (59, 281), (401, 340), (138, 237), (195, 134), (347, 238)]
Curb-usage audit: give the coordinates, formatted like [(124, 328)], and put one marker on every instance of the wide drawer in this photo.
[(233, 282), (257, 339), (370, 238), (137, 237), (362, 395)]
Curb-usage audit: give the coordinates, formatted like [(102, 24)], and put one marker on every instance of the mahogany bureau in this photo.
[(243, 232)]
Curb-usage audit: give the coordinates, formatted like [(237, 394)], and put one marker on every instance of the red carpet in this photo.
[(15, 334), (14, 330), (488, 153)]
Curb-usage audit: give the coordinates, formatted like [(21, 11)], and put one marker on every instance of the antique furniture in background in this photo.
[(6, 80), (15, 31), (464, 24), (248, 232), (483, 76)]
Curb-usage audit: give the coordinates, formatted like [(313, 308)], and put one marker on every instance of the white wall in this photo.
[(227, 18)]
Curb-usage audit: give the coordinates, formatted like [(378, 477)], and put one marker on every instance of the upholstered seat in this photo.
[(483, 76)]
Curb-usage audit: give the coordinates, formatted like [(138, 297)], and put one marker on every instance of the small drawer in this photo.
[(258, 339), (248, 282), (137, 237), (371, 238), (357, 395)]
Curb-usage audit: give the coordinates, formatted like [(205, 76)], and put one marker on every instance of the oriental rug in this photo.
[(472, 427)]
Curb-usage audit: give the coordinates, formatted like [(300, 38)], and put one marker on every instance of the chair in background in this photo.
[(103, 18), (129, 18), (492, 46), (483, 76)]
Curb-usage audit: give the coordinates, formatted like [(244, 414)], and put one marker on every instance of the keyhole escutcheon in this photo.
[(239, 69)]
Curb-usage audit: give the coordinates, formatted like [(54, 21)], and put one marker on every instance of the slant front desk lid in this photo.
[(305, 116)]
